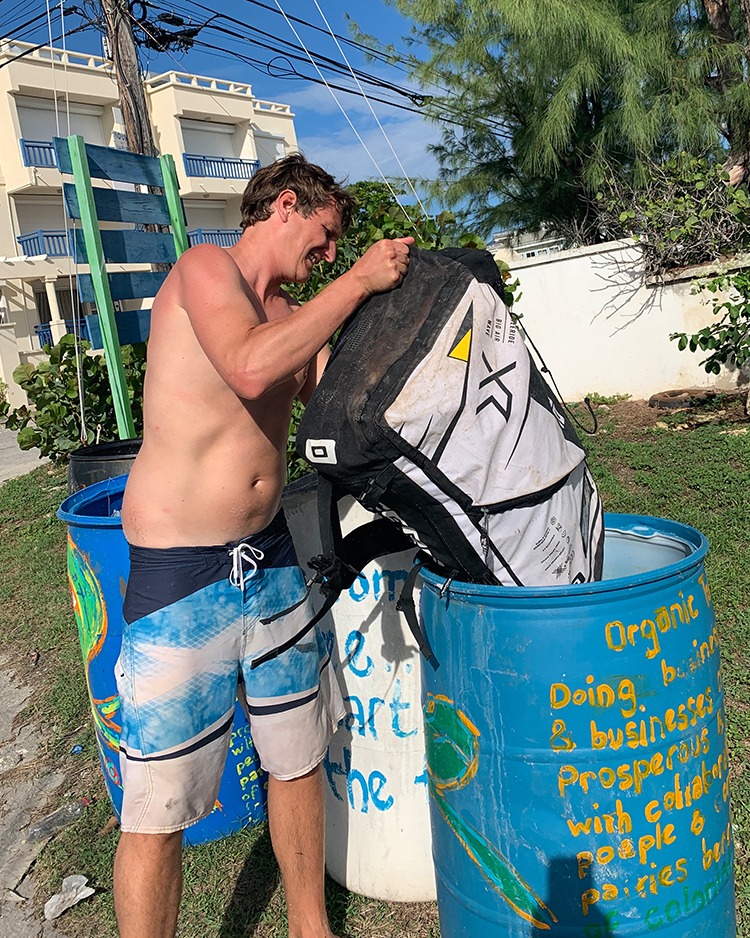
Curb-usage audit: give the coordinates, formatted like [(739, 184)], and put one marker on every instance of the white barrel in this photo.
[(378, 840)]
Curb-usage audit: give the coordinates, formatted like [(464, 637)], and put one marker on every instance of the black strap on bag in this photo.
[(341, 562), (406, 605)]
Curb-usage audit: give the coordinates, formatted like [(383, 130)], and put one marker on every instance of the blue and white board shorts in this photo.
[(192, 627)]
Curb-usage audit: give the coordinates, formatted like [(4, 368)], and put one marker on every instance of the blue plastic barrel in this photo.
[(98, 567), (576, 749)]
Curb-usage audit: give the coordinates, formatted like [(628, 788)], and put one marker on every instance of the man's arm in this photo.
[(253, 354)]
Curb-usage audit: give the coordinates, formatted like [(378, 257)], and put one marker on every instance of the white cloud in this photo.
[(339, 151)]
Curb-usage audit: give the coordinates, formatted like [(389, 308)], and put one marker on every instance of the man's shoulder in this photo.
[(206, 255)]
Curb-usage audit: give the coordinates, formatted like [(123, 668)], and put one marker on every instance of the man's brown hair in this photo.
[(314, 187)]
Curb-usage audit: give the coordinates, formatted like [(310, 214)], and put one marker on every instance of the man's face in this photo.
[(315, 239)]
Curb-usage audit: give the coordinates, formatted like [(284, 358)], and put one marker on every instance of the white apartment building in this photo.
[(218, 133), (512, 246)]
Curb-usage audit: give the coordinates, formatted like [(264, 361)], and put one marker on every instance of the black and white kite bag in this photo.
[(432, 413)]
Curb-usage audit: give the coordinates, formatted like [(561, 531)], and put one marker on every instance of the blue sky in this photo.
[(323, 132)]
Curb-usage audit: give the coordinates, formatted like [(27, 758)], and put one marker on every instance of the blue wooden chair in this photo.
[(89, 205)]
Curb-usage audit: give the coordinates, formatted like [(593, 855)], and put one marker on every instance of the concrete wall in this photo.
[(601, 328)]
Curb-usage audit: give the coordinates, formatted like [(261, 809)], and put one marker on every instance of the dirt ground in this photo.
[(683, 412), (29, 785)]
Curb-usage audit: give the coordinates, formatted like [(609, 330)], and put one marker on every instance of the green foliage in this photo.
[(541, 101), (3, 392), (296, 467), (595, 398), (683, 213), (52, 422), (728, 337)]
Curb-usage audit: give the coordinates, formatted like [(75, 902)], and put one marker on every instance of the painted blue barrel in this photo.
[(98, 566), (576, 749)]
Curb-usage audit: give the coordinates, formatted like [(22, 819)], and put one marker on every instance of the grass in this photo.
[(692, 471)]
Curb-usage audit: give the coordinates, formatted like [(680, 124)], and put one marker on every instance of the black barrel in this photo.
[(102, 461)]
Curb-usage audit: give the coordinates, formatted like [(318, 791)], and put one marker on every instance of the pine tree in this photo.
[(556, 96)]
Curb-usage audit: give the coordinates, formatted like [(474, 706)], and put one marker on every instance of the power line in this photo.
[(267, 67), (22, 8), (325, 62), (352, 42), (286, 53), (292, 50), (49, 43), (28, 23), (346, 116), (372, 111), (289, 52), (418, 98)]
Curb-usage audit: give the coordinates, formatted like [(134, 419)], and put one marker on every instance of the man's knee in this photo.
[(147, 845)]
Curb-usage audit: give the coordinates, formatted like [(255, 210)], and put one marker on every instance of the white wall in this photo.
[(600, 328), (40, 212), (206, 215)]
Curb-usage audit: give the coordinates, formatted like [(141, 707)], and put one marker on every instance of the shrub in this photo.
[(52, 422), (728, 338), (685, 213)]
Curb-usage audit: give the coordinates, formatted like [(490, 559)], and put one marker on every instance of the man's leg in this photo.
[(295, 815), (148, 884)]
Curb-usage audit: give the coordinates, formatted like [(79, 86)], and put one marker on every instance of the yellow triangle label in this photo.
[(462, 348)]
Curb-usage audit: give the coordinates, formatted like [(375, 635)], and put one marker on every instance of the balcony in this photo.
[(56, 243), (222, 237), (38, 153), (219, 167), (51, 243), (44, 331)]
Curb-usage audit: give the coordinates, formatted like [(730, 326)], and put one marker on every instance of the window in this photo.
[(64, 301)]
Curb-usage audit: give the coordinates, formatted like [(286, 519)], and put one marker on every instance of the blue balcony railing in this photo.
[(223, 237), (38, 153), (219, 167), (44, 331), (52, 243)]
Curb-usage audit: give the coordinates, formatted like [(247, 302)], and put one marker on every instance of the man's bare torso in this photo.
[(212, 465)]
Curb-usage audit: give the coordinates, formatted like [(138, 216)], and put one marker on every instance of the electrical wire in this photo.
[(329, 63), (267, 68), (447, 115), (383, 57), (346, 116), (43, 45), (372, 111), (290, 49), (494, 125), (25, 25), (75, 308), (212, 96)]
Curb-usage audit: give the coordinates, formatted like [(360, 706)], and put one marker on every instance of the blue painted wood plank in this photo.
[(118, 205), (132, 327), (130, 247), (132, 286), (108, 163)]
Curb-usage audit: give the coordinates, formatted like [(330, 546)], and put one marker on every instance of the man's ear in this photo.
[(286, 203)]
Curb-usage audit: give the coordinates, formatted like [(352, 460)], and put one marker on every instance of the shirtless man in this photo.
[(210, 552)]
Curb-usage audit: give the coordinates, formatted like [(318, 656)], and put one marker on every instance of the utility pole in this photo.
[(128, 76)]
